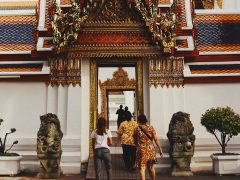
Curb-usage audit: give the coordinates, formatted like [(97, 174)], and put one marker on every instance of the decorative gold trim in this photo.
[(93, 99), (78, 51), (139, 87), (65, 70), (119, 81), (94, 63), (166, 71), (219, 3)]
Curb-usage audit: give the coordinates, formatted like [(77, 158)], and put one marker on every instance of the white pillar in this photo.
[(52, 97), (62, 107), (73, 111), (85, 106), (41, 22)]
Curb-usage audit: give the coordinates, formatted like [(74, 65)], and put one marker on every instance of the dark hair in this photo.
[(128, 116), (121, 106), (142, 119), (126, 108), (101, 126)]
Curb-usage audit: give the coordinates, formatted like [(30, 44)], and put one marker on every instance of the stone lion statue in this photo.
[(49, 149), (182, 142)]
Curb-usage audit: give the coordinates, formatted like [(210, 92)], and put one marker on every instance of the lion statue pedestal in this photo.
[(182, 142), (49, 149)]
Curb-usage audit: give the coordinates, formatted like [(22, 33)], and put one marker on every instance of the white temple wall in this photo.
[(231, 4), (194, 99), (22, 104)]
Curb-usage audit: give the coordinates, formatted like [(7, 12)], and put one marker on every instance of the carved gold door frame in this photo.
[(119, 82), (94, 64)]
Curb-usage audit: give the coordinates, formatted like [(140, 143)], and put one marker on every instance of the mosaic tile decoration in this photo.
[(218, 33), (65, 2), (164, 1), (18, 5), (215, 69), (47, 19), (181, 43), (182, 14), (26, 67), (16, 32), (47, 43), (166, 72)]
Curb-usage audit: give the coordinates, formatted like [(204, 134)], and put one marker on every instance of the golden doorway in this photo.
[(115, 92), (119, 81)]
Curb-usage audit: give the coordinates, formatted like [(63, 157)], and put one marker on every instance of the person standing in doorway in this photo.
[(120, 112), (125, 131), (144, 135), (126, 111), (101, 140)]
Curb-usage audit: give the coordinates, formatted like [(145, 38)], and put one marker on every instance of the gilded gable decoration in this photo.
[(115, 11), (66, 26), (161, 22), (113, 28), (166, 71)]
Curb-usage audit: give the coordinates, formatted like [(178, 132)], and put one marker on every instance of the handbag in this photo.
[(109, 142)]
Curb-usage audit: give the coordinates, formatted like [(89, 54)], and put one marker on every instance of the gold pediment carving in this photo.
[(114, 12), (120, 78)]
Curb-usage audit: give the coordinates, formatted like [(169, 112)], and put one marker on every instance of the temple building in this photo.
[(81, 59)]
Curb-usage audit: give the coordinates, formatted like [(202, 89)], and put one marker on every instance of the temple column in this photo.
[(62, 107), (85, 115), (73, 111)]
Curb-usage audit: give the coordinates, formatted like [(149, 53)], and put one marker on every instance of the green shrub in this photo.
[(223, 123), (3, 150)]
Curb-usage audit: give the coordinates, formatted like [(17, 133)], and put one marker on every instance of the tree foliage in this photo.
[(223, 123)]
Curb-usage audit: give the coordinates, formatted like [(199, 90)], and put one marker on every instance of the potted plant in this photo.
[(9, 162), (223, 123)]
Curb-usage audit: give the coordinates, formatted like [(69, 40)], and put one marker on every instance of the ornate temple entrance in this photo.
[(118, 83), (118, 89)]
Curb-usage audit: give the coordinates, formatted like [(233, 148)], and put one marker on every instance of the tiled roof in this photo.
[(17, 5), (26, 67), (16, 32), (47, 19), (215, 69), (182, 14), (218, 33)]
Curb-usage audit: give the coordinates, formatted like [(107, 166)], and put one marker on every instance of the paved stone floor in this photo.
[(159, 177), (119, 173)]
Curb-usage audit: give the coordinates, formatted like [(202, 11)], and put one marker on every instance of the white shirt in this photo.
[(101, 140)]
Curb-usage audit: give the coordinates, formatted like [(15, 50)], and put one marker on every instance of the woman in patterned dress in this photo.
[(146, 154)]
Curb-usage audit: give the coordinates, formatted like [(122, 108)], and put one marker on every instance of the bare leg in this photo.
[(151, 171), (142, 173)]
